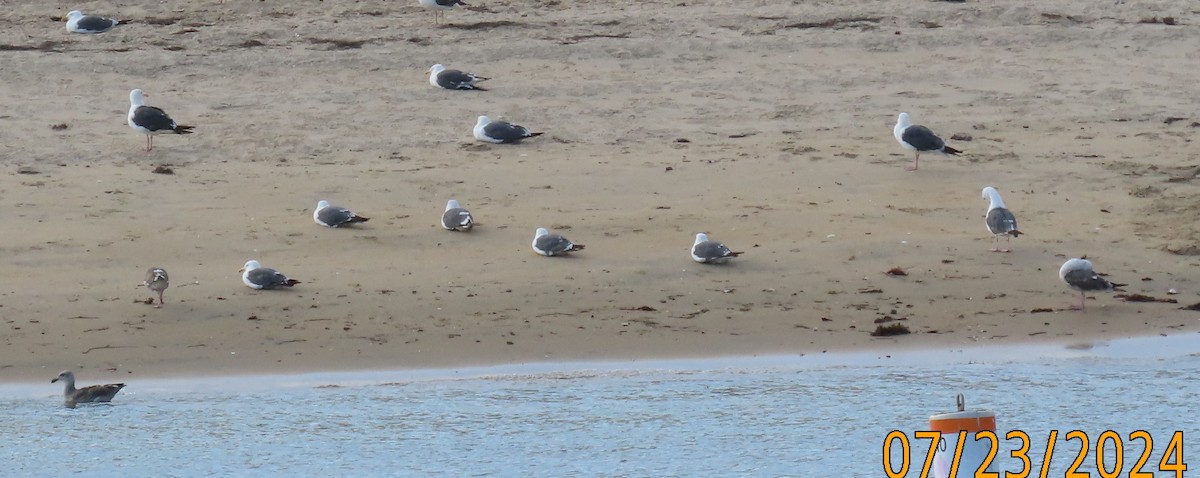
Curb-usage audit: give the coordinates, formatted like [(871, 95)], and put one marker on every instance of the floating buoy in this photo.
[(973, 452)]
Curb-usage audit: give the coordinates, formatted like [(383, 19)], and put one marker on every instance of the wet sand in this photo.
[(767, 126)]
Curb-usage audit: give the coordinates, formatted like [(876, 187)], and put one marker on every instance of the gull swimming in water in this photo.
[(91, 394)]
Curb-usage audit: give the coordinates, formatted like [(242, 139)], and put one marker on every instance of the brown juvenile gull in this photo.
[(440, 77), (156, 280), (501, 131), (549, 245), (77, 22), (1078, 274), (919, 139), (255, 276), (90, 394), (439, 6), (150, 120), (456, 218), (705, 251), (999, 220), (333, 216)]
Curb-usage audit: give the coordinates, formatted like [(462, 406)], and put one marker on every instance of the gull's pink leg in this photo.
[(915, 163)]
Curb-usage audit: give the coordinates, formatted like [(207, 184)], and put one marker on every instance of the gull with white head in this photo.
[(999, 220), (1078, 274), (150, 121), (255, 276), (919, 139), (501, 131), (77, 22), (334, 216), (440, 77), (550, 245), (455, 218), (706, 251)]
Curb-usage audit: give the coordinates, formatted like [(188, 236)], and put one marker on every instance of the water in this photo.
[(763, 417)]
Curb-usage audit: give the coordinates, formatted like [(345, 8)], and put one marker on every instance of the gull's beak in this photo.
[(242, 269), (428, 70), (55, 380)]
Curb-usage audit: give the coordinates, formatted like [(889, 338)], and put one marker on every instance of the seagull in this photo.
[(501, 131), (150, 120), (456, 218), (549, 245), (440, 5), (440, 77), (1000, 221), (90, 394), (1078, 274), (919, 139), (156, 280), (710, 252), (256, 276), (77, 22), (333, 216)]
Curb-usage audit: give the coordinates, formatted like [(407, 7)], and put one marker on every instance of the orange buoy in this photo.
[(973, 452)]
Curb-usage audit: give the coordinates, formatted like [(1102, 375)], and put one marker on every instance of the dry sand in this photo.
[(767, 124)]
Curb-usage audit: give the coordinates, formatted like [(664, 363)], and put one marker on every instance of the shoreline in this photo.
[(1136, 347)]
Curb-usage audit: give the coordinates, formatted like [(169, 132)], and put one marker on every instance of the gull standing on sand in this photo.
[(999, 221), (156, 280), (439, 6), (255, 276), (706, 251), (501, 131), (1078, 274), (333, 216), (456, 218), (150, 121), (77, 22), (550, 245), (440, 77), (90, 394), (919, 139)]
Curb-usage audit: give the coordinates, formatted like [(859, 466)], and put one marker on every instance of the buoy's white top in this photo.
[(972, 421), (77, 22), (455, 218)]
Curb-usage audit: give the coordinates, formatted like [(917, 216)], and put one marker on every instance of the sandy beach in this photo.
[(766, 125)]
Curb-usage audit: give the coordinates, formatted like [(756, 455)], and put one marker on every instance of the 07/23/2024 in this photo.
[(1107, 443)]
